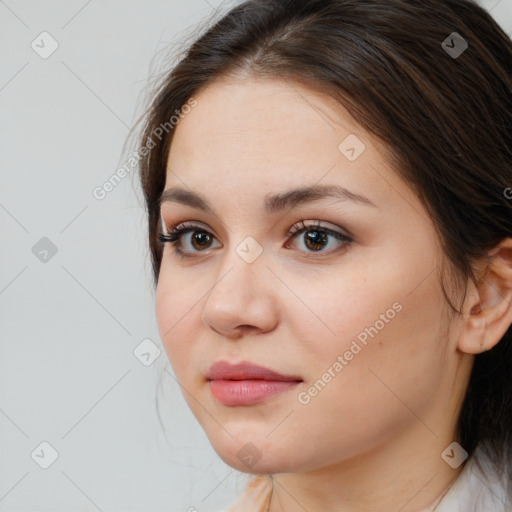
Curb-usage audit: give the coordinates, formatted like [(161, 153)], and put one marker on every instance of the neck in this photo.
[(408, 475)]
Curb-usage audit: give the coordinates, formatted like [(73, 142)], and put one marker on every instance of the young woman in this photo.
[(329, 195)]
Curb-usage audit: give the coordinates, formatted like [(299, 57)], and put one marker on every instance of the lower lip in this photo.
[(248, 392)]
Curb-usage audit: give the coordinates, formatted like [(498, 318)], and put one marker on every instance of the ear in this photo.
[(487, 311)]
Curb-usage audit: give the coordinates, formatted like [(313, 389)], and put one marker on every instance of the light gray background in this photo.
[(69, 326)]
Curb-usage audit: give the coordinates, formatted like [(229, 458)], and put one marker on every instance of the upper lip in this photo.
[(245, 371)]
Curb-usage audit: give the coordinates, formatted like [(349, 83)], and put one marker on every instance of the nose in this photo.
[(243, 298)]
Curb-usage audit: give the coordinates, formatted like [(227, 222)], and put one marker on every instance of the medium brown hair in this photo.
[(446, 120)]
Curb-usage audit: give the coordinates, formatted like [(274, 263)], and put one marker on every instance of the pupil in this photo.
[(317, 239), (197, 238)]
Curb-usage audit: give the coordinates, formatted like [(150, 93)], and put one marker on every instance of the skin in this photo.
[(372, 438)]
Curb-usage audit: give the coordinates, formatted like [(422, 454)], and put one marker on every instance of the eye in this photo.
[(316, 237), (200, 238), (315, 240)]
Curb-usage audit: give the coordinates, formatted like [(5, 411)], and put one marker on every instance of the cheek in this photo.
[(358, 402), (368, 325), (344, 307), (174, 311)]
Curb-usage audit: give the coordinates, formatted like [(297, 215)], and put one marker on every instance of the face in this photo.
[(340, 292)]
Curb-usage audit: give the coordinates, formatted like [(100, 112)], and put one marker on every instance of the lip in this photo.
[(247, 383), (246, 371)]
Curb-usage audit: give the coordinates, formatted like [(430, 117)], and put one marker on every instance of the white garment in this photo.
[(474, 491)]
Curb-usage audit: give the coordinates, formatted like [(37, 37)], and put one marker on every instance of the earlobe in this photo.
[(472, 338), (488, 312)]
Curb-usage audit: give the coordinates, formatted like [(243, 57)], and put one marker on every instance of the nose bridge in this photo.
[(242, 293), (243, 268)]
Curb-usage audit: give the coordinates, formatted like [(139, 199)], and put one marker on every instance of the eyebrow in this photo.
[(274, 203)]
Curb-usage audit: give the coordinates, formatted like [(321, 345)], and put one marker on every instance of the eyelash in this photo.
[(175, 234)]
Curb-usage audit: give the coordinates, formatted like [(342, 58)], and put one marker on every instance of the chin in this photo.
[(259, 456)]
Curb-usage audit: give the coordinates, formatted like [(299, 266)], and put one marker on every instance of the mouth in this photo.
[(247, 383)]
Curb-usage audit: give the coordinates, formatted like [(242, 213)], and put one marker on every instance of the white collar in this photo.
[(474, 491)]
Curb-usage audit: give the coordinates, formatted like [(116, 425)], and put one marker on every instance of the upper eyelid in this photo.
[(302, 225), (296, 226), (184, 224)]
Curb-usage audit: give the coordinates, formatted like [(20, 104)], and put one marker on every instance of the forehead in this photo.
[(258, 136), (254, 115)]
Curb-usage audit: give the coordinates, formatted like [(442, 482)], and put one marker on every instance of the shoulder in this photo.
[(255, 497), (481, 486)]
